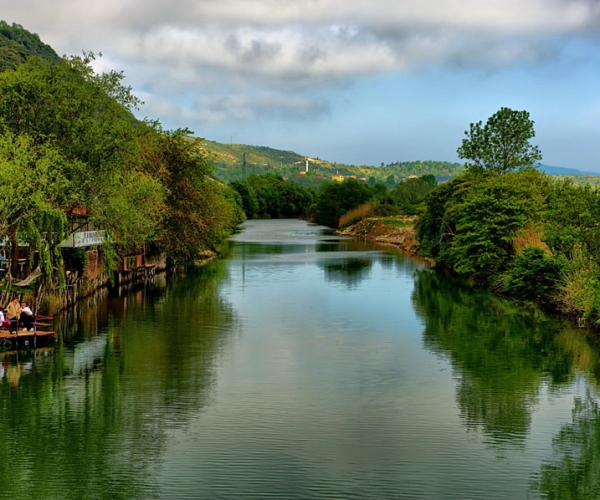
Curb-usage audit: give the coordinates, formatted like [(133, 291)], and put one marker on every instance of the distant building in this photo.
[(337, 177)]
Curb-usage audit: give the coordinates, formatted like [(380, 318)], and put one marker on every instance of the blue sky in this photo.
[(361, 82)]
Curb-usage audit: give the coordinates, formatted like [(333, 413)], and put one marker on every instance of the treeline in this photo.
[(509, 227), (334, 203), (73, 156), (17, 45)]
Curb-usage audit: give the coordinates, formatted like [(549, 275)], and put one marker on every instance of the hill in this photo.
[(17, 45), (237, 161), (550, 170)]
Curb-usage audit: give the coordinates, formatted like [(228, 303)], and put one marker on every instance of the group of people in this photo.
[(16, 314)]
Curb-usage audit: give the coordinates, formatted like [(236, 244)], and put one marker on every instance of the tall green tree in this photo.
[(32, 185), (502, 144), (86, 119), (199, 211)]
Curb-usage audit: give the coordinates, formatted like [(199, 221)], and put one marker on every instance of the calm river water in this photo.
[(304, 366)]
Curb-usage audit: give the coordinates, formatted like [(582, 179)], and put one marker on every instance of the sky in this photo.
[(355, 82)]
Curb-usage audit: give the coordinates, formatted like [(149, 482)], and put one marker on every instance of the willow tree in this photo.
[(32, 183), (86, 118)]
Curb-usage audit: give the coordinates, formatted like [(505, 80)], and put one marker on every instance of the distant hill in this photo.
[(550, 170), (17, 45), (237, 161)]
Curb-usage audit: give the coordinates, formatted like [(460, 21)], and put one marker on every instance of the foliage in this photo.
[(436, 227), (470, 223), (532, 275), (17, 45), (271, 196), (337, 198), (69, 141), (197, 211), (32, 184), (502, 144), (409, 193), (248, 198)]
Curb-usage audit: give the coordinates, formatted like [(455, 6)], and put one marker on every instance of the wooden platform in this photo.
[(26, 339)]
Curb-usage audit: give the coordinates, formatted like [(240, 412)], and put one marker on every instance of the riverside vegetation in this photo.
[(502, 224), (69, 143), (72, 154)]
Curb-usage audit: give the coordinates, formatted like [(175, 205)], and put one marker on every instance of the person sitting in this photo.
[(13, 311), (26, 318), (4, 323)]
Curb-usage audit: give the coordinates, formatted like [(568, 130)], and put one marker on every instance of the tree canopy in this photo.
[(502, 144)]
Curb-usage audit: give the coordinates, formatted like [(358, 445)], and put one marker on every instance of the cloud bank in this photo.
[(213, 61)]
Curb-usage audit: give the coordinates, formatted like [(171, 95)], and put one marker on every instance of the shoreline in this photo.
[(396, 231)]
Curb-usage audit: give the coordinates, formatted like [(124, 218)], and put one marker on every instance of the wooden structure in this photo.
[(41, 335)]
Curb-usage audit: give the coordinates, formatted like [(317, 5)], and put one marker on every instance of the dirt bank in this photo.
[(397, 231)]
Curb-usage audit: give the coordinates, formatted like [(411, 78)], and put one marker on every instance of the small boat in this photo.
[(40, 335)]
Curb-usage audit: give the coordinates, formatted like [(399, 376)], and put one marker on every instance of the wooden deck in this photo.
[(27, 339)]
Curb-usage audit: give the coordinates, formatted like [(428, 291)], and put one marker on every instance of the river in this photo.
[(304, 366)]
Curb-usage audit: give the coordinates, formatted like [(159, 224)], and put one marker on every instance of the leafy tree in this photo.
[(278, 198), (199, 211), (335, 199), (410, 192), (32, 184), (571, 232), (436, 226), (489, 217), (85, 118), (502, 144), (248, 197)]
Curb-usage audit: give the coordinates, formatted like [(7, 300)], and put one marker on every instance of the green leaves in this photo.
[(502, 144)]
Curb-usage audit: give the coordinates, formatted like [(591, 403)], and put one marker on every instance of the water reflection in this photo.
[(573, 471), (91, 420), (502, 354), (348, 272)]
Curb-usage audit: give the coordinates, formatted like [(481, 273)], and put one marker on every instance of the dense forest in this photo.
[(72, 155)]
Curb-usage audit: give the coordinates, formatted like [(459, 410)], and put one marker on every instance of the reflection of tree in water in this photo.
[(100, 435), (349, 272), (573, 472), (499, 350)]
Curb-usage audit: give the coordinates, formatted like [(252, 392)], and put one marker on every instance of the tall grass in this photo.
[(355, 215), (530, 236)]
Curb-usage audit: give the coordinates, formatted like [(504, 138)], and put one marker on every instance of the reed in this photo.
[(356, 214), (530, 236)]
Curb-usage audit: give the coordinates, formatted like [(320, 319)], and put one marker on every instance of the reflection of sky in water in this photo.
[(328, 391), (297, 369)]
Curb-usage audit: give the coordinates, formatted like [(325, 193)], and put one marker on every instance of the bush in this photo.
[(532, 275)]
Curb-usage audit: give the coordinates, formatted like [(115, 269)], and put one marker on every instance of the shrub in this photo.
[(532, 275)]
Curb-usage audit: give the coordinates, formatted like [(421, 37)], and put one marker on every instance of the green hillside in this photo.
[(17, 45), (237, 161)]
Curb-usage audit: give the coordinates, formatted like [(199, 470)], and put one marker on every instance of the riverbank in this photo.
[(398, 231)]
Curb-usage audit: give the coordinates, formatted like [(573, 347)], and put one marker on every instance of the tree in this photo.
[(336, 199), (502, 144), (32, 183)]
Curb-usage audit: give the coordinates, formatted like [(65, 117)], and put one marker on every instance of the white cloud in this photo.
[(204, 62)]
